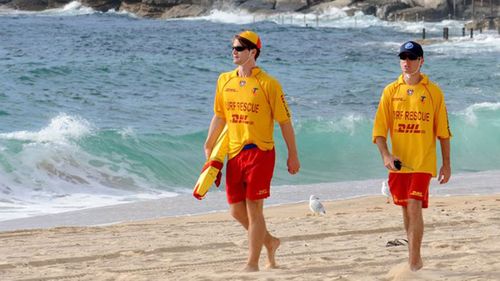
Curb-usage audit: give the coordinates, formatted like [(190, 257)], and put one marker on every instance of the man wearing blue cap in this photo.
[(413, 110)]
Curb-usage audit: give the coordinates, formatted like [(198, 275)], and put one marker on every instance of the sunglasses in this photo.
[(239, 48), (405, 56)]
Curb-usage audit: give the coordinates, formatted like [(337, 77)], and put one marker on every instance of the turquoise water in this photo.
[(104, 108)]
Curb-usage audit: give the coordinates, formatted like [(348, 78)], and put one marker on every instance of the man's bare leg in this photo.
[(272, 244), (256, 233), (414, 224), (405, 218), (239, 212)]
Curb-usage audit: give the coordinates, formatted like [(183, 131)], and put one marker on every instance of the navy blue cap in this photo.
[(412, 48)]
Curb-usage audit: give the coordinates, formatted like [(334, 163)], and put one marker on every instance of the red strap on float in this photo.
[(217, 165), (213, 163)]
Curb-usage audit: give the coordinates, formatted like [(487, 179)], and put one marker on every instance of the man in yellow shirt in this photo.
[(248, 101), (413, 110)]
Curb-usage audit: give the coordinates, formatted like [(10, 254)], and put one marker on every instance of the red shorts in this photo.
[(249, 174), (406, 186)]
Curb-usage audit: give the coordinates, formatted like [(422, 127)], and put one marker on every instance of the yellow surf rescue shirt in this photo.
[(415, 115), (250, 105)]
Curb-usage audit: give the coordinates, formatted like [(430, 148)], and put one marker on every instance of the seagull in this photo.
[(316, 207), (386, 192)]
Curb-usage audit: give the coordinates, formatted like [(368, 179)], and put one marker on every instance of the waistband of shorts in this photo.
[(249, 146)]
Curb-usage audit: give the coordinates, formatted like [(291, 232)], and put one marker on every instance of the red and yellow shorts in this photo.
[(249, 174), (406, 186)]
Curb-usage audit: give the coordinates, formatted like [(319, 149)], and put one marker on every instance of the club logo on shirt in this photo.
[(409, 92), (243, 83)]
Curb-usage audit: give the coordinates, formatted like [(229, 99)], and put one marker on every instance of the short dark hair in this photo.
[(248, 44)]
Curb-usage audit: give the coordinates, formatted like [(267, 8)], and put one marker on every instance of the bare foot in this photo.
[(251, 268), (417, 266), (271, 251)]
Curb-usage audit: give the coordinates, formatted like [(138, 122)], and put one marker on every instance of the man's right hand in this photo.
[(208, 152), (387, 157), (216, 126), (389, 162)]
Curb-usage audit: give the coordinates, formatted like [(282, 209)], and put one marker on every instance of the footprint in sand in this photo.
[(402, 272)]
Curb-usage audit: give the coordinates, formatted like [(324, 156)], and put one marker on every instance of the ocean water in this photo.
[(106, 108)]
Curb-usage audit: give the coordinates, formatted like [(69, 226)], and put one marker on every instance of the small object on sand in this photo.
[(397, 242), (386, 192), (316, 207)]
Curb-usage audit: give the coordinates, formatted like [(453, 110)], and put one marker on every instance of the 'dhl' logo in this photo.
[(237, 118), (409, 129)]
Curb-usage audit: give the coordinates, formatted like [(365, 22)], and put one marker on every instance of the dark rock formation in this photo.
[(35, 5), (258, 5), (409, 10), (102, 5), (28, 5), (290, 5), (387, 11)]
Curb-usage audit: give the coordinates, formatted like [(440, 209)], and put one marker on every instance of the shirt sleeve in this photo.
[(278, 104), (441, 123), (382, 117), (218, 99)]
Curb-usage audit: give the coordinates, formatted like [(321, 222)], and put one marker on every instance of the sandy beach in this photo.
[(461, 242)]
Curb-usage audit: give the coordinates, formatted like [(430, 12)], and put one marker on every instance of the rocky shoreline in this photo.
[(485, 13)]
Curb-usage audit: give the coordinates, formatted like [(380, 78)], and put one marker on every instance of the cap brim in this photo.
[(407, 52)]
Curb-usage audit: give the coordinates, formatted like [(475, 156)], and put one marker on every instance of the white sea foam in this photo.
[(49, 179), (487, 42), (74, 8), (430, 27), (457, 45), (471, 111), (50, 172), (485, 182), (128, 132), (61, 128), (332, 17), (348, 123), (15, 209), (12, 12), (230, 16), (328, 17), (122, 13)]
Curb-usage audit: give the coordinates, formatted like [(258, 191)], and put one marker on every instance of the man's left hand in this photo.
[(293, 164), (444, 174)]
